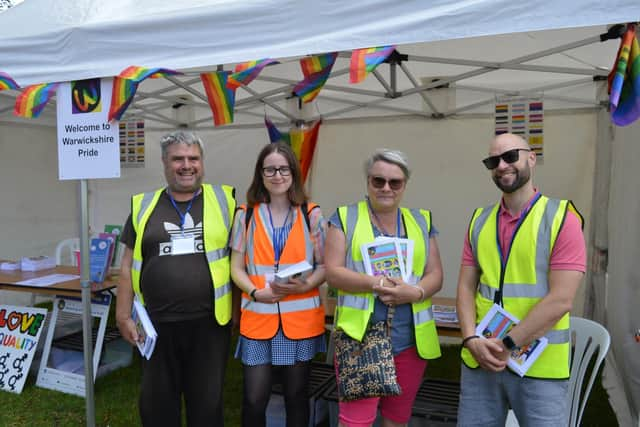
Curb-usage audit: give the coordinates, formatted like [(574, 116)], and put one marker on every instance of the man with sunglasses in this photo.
[(525, 253)]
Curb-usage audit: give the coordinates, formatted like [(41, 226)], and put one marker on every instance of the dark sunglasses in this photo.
[(510, 156), (380, 182)]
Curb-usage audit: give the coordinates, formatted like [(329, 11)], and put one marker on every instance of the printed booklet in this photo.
[(147, 334), (383, 257), (297, 271), (496, 324)]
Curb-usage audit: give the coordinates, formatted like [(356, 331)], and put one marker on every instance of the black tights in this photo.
[(257, 391)]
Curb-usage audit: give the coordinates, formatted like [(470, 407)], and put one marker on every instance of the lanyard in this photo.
[(397, 234), (182, 215), (278, 237), (503, 258)]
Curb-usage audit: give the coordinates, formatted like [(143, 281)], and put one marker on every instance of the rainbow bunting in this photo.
[(126, 84), (246, 72), (138, 74), (33, 99), (316, 70), (624, 81), (121, 96), (6, 82), (364, 61), (302, 142), (221, 98)]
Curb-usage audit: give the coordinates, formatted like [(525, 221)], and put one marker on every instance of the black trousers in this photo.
[(188, 362)]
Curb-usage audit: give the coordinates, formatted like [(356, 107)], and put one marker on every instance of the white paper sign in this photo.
[(88, 145), (20, 329)]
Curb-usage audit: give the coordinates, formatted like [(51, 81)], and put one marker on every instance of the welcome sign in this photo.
[(20, 329)]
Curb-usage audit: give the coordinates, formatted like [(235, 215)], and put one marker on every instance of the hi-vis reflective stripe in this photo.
[(221, 291), (136, 265), (352, 219), (543, 247), (282, 306), (261, 270), (144, 205), (224, 206), (353, 301), (513, 290), (423, 316), (217, 254), (558, 336)]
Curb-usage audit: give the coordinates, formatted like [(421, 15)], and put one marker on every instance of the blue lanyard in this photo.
[(503, 259), (279, 237), (384, 232), (182, 215)]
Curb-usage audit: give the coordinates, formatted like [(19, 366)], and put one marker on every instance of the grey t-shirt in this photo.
[(175, 287)]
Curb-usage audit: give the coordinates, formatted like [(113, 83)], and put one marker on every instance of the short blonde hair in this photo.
[(395, 157)]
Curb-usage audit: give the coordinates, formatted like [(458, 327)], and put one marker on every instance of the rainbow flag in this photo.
[(126, 84), (221, 98), (302, 141), (316, 70), (624, 81), (364, 61), (138, 74), (6, 82), (274, 133), (122, 94), (246, 72), (33, 99)]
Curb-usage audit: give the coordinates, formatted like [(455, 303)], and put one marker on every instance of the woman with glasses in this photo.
[(365, 299), (282, 321)]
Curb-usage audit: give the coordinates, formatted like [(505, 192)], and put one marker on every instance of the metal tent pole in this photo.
[(85, 284)]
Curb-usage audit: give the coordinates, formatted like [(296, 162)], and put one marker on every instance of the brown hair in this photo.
[(257, 193)]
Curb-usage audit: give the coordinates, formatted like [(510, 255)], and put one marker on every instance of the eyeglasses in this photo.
[(510, 156), (270, 171), (379, 182)]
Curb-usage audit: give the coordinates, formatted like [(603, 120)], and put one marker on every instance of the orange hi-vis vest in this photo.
[(301, 315)]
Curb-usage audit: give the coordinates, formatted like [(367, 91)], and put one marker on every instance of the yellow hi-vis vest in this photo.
[(525, 279), (354, 310), (218, 207)]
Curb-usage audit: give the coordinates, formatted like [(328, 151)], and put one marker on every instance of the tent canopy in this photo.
[(44, 41)]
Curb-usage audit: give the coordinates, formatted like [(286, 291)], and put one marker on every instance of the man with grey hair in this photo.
[(176, 263)]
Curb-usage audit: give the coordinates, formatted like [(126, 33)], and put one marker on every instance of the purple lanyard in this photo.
[(384, 232), (182, 215)]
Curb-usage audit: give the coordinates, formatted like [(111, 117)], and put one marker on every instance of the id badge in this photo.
[(182, 245)]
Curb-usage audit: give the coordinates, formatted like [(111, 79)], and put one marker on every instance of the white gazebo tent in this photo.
[(63, 41)]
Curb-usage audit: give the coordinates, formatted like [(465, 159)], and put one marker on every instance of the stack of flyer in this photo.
[(445, 313), (147, 334), (300, 271), (99, 258), (496, 324), (37, 263), (389, 256)]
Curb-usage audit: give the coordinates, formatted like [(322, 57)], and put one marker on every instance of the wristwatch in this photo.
[(508, 343)]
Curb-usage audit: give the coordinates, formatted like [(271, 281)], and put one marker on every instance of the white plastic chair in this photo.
[(65, 252), (590, 343)]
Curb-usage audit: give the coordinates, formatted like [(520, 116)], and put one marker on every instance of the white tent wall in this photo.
[(37, 209), (623, 281)]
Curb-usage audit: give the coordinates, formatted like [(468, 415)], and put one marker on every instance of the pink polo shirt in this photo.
[(569, 252)]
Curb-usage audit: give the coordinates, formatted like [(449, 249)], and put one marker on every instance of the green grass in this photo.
[(116, 397)]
